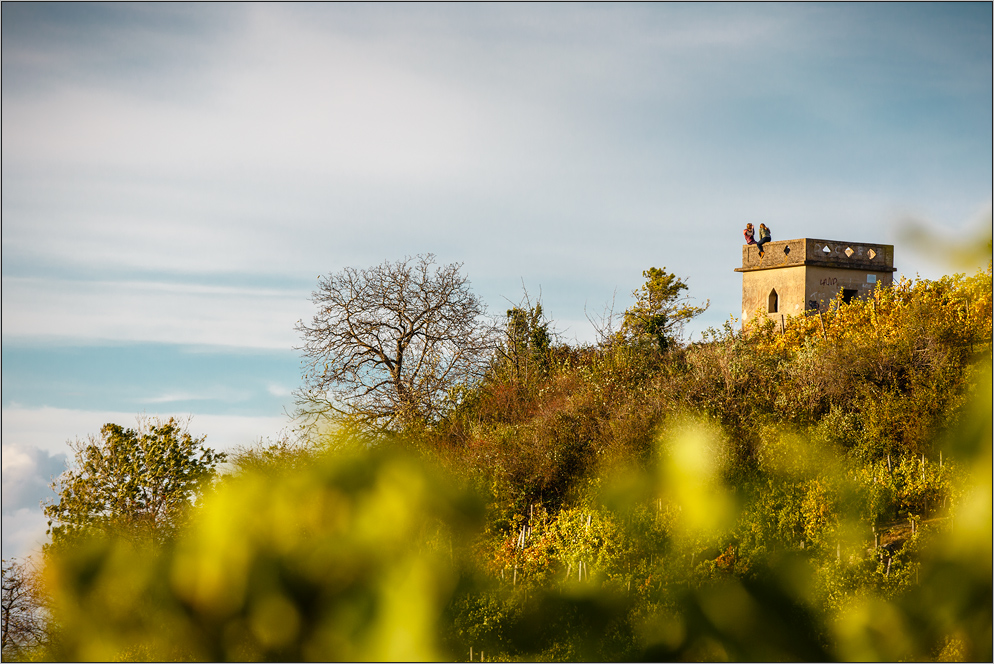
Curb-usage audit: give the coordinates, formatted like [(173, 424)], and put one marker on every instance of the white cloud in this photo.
[(16, 461), (333, 105), (173, 313), (23, 532), (27, 475)]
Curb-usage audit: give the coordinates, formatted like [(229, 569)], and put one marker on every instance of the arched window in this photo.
[(774, 304)]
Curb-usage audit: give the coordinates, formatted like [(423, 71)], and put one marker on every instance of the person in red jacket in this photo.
[(749, 234)]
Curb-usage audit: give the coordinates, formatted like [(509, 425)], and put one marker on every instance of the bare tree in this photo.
[(21, 609), (603, 324), (389, 341)]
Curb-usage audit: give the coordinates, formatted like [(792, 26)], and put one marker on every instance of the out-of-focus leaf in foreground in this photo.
[(950, 605), (352, 558)]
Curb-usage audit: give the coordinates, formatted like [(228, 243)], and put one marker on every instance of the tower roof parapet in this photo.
[(864, 256)]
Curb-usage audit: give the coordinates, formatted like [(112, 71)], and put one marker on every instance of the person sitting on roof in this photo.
[(764, 237), (749, 234)]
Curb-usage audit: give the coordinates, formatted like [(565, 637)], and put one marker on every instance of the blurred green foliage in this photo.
[(821, 492), (353, 558)]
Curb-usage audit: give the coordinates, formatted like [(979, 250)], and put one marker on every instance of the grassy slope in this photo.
[(820, 436)]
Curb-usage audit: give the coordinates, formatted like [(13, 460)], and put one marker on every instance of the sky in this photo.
[(175, 177)]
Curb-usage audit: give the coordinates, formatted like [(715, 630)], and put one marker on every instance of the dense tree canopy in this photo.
[(133, 482)]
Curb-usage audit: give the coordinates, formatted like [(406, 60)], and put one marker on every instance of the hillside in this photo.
[(816, 492)]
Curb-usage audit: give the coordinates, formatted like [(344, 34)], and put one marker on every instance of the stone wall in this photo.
[(806, 274), (810, 251)]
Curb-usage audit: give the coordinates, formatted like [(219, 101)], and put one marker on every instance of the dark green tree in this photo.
[(135, 483), (660, 311), (527, 342)]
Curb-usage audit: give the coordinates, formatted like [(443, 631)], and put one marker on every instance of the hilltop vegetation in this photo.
[(816, 492)]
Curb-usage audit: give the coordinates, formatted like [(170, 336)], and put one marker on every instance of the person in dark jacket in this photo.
[(764, 237)]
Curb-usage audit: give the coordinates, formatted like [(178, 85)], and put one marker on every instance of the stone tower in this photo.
[(805, 275)]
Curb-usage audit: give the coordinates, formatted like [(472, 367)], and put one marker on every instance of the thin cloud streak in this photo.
[(130, 311), (216, 395), (49, 429)]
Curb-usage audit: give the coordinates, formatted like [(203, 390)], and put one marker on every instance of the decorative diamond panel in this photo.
[(849, 252), (826, 250), (872, 254)]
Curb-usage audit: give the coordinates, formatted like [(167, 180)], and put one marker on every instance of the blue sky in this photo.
[(176, 176)]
